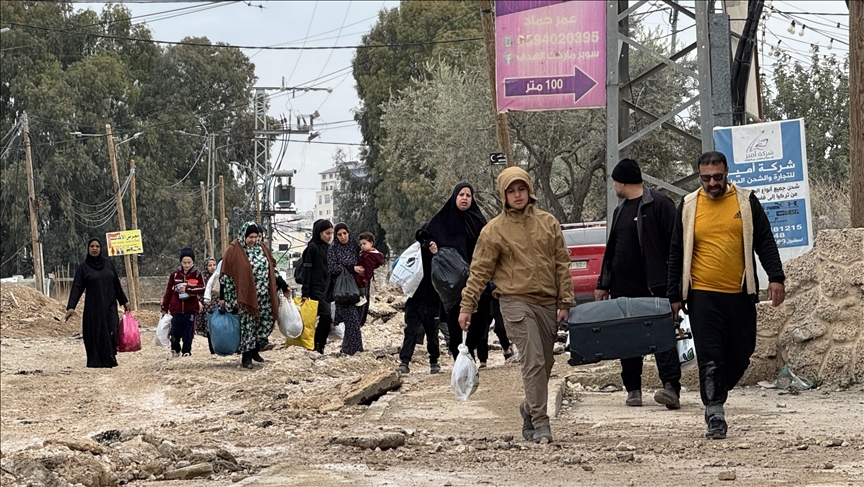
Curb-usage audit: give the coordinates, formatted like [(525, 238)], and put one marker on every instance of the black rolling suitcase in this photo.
[(620, 328)]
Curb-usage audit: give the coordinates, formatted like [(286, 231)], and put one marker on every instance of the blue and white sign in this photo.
[(771, 160)]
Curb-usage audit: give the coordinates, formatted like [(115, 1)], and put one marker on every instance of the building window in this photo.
[(283, 247), (327, 199), (331, 175), (320, 212), (328, 212), (319, 199)]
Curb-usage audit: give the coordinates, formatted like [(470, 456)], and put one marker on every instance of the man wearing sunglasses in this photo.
[(712, 276)]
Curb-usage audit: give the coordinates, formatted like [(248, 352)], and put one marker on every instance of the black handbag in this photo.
[(345, 291)]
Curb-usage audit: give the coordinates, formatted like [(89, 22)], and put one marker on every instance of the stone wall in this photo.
[(817, 332)]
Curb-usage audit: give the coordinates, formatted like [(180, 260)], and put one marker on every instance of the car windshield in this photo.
[(585, 236)]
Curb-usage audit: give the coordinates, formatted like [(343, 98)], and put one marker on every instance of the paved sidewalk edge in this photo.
[(556, 395)]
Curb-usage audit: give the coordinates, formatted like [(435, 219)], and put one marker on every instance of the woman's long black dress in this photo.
[(103, 289)]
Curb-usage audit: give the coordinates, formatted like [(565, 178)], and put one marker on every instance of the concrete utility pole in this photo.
[(223, 225), (135, 281), (856, 100), (38, 270), (501, 132), (208, 240), (112, 156)]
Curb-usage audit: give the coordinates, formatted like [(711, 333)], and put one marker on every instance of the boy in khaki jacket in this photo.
[(523, 252)]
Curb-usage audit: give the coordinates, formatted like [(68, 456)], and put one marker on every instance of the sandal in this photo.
[(509, 353)]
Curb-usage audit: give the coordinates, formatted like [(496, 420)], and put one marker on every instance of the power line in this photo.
[(309, 29), (229, 46)]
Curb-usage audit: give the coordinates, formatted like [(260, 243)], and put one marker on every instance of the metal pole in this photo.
[(501, 132), (207, 239), (38, 270), (613, 95), (703, 52), (135, 281), (112, 156)]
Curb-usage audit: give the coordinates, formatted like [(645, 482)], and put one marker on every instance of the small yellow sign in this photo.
[(123, 243)]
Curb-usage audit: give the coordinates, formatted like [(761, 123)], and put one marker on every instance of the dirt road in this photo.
[(274, 425)]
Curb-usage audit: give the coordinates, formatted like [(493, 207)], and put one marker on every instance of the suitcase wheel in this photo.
[(649, 323)]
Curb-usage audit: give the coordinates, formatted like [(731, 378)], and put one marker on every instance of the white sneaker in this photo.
[(362, 301)]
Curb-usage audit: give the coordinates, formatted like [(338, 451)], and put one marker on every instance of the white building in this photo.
[(330, 181)]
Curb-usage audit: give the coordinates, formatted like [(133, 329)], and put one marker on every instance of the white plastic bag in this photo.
[(684, 344), (408, 272), (163, 329), (466, 375), (337, 332), (290, 322)]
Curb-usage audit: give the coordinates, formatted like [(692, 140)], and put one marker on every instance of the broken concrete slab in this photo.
[(190, 472), (372, 387), (384, 441)]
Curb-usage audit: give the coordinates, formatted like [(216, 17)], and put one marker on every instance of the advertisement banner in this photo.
[(771, 160), (124, 243), (550, 54)]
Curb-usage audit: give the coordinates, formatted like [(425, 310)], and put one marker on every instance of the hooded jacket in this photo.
[(194, 280), (522, 252), (317, 282)]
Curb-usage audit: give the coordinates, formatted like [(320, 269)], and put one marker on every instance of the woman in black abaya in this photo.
[(98, 278), (458, 226)]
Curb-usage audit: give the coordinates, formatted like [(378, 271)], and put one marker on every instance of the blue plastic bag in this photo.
[(224, 332)]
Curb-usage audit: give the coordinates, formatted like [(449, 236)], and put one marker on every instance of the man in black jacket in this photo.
[(712, 275), (634, 266)]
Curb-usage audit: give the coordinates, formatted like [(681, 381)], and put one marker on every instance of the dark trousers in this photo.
[(478, 330), (182, 328), (420, 320), (499, 325), (724, 331), (668, 365), (366, 291), (322, 330)]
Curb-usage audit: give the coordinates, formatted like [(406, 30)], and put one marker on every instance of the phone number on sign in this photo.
[(559, 38)]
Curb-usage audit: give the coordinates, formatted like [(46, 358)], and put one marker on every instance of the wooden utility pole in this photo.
[(38, 271), (136, 281), (112, 156), (207, 238), (223, 225), (856, 101), (501, 132)]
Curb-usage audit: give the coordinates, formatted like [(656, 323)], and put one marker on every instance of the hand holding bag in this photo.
[(128, 334), (345, 291), (449, 276)]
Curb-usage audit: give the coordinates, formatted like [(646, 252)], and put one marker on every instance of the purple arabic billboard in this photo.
[(551, 54)]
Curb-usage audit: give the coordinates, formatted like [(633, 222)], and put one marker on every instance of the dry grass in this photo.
[(830, 202)]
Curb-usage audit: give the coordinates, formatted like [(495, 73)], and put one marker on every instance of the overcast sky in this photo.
[(329, 23)]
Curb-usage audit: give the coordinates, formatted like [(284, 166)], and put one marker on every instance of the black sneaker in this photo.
[(434, 369), (403, 369), (716, 428), (668, 396)]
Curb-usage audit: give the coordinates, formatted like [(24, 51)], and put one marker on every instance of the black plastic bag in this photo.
[(345, 291), (449, 275)]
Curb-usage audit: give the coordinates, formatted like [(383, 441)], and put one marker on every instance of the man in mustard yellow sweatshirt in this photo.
[(712, 275), (523, 252)]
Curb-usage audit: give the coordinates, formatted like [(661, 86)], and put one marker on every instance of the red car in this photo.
[(586, 243)]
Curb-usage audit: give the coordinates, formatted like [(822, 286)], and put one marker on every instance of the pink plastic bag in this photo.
[(128, 336)]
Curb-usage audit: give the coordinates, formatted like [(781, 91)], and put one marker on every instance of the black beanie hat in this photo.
[(187, 252), (627, 172)]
